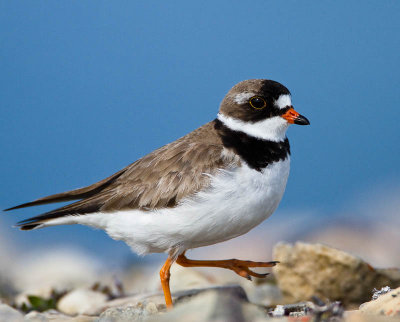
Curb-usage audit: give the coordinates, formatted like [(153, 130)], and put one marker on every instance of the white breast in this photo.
[(236, 201)]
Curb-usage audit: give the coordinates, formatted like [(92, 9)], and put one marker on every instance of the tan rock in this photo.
[(387, 304), (314, 269), (358, 316), (81, 301)]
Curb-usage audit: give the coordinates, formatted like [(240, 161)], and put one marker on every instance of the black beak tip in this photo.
[(301, 120)]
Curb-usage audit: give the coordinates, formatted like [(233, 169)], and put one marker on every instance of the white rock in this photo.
[(81, 301), (8, 314)]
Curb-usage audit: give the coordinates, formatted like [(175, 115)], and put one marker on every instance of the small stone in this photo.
[(380, 292), (278, 311), (9, 314), (82, 301)]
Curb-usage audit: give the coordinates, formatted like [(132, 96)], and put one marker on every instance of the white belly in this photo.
[(236, 201)]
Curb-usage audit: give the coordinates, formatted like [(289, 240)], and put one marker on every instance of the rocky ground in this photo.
[(312, 283)]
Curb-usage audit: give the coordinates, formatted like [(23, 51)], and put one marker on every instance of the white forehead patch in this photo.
[(283, 101), (243, 97)]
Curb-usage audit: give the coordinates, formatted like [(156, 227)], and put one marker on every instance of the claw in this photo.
[(259, 275)]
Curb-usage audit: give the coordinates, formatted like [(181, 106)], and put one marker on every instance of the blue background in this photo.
[(87, 87)]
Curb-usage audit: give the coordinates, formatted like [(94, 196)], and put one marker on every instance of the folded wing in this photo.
[(160, 179)]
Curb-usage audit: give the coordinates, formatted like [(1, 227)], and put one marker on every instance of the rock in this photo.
[(8, 314), (142, 306), (158, 297), (386, 304), (214, 304), (314, 269), (358, 316), (55, 316), (82, 301), (128, 313)]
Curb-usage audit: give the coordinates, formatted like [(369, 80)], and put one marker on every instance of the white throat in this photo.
[(272, 129)]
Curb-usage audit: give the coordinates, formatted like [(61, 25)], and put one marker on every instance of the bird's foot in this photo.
[(240, 267)]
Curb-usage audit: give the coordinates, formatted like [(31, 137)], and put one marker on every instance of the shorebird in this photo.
[(213, 184)]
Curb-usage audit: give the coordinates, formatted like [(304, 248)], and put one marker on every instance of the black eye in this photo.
[(257, 102)]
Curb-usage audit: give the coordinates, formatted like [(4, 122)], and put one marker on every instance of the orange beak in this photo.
[(295, 118)]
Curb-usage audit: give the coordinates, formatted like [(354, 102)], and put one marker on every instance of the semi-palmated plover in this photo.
[(211, 185)]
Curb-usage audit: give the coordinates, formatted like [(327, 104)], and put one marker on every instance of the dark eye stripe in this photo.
[(257, 102)]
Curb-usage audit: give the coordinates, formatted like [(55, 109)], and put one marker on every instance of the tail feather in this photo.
[(88, 205), (93, 198), (76, 194), (29, 226)]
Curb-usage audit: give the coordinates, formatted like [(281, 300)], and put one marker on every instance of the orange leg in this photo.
[(238, 266), (164, 276)]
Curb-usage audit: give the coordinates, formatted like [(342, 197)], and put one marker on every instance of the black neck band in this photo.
[(257, 153)]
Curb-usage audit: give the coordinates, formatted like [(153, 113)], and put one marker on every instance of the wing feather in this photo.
[(160, 179)]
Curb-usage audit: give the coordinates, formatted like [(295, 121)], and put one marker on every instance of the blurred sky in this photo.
[(87, 87)]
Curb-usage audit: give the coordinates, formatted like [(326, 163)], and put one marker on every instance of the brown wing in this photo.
[(160, 179)]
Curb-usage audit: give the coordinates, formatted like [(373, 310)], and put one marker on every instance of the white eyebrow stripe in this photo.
[(283, 101), (243, 97)]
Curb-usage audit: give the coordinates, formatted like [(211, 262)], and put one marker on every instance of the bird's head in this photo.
[(261, 108)]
